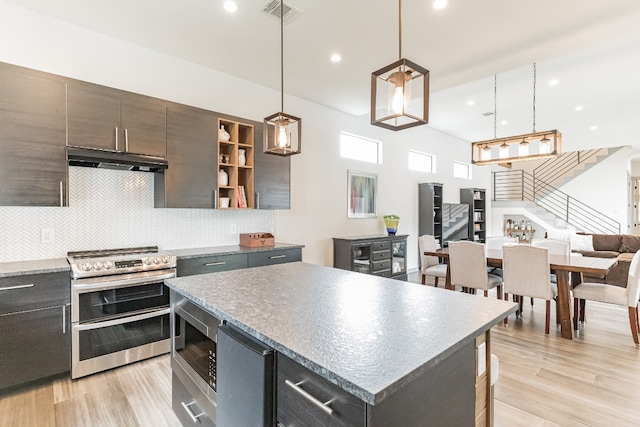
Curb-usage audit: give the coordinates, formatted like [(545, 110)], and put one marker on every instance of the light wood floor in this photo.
[(593, 380)]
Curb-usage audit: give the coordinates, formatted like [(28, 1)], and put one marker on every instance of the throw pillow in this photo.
[(564, 235), (630, 243), (581, 242)]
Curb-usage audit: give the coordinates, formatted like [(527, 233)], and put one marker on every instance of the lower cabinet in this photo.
[(233, 261), (384, 256), (276, 256), (301, 397), (186, 407), (35, 344), (211, 264)]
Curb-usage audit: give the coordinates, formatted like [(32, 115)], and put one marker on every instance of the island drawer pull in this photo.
[(277, 256), (213, 264), (8, 288), (187, 407), (324, 406)]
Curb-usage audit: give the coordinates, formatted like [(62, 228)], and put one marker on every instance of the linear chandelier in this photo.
[(400, 92), (529, 146), (282, 132)]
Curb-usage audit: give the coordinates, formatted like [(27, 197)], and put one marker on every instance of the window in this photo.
[(359, 148), (461, 170), (422, 162)]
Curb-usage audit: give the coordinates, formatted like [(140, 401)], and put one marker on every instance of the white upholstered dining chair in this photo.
[(626, 297), (526, 273), (496, 243), (429, 265), (468, 264)]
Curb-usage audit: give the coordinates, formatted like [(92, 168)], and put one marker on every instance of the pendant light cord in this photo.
[(495, 105), (399, 29), (534, 97), (281, 56)]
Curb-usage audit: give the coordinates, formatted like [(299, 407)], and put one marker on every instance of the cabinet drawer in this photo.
[(298, 387), (276, 256), (185, 406), (381, 265), (381, 245), (377, 256), (34, 291), (211, 264)]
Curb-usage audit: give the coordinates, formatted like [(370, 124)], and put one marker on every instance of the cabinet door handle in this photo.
[(116, 138), (324, 406), (258, 200), (213, 264), (64, 319), (277, 256), (9, 288), (126, 139), (187, 407), (215, 199), (61, 195)]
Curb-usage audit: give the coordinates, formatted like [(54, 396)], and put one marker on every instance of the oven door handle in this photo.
[(120, 321), (103, 286)]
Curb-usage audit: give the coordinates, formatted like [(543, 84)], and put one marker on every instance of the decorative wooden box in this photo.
[(255, 240)]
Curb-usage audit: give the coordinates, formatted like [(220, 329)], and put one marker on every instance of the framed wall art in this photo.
[(362, 194)]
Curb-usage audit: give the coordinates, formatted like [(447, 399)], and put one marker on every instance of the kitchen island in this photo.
[(405, 353)]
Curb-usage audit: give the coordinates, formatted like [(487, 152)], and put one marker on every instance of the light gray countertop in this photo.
[(367, 334), (227, 250), (22, 268)]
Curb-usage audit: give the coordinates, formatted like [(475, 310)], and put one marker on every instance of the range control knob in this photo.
[(97, 265), (156, 260), (148, 261), (107, 265), (165, 260), (86, 267)]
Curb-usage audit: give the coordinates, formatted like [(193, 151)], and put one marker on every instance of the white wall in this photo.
[(319, 175), (604, 187)]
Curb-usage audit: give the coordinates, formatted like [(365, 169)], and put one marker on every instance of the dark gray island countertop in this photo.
[(369, 335)]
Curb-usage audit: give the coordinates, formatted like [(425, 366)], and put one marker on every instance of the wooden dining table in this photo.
[(562, 266)]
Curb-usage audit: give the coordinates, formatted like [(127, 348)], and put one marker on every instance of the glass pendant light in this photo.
[(504, 151), (400, 92), (485, 154), (282, 132), (523, 148)]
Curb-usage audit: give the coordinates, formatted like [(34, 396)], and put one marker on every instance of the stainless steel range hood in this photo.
[(93, 158)]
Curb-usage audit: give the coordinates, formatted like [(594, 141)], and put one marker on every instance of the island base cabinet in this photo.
[(35, 344)]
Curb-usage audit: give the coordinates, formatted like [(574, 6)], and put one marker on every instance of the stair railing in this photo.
[(557, 167), (518, 185)]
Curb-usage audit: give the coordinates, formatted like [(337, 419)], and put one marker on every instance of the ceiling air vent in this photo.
[(272, 8)]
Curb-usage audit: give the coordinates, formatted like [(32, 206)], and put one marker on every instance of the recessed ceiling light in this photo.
[(470, 103), (440, 4), (553, 82), (230, 6), (578, 108), (593, 127), (504, 122), (336, 57)]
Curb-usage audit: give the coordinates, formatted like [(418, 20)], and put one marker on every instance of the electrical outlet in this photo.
[(233, 229), (47, 235)]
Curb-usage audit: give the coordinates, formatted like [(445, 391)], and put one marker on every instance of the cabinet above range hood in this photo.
[(88, 157)]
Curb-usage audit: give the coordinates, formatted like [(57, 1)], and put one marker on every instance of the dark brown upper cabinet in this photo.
[(192, 153), (272, 177), (110, 119), (33, 162)]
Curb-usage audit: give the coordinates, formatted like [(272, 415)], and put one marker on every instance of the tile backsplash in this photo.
[(114, 209)]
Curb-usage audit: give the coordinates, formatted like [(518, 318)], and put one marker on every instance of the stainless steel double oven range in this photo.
[(119, 307)]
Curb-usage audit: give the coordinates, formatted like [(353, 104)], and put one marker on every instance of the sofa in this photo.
[(620, 246)]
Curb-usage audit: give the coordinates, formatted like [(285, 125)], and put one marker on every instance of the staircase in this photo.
[(548, 204)]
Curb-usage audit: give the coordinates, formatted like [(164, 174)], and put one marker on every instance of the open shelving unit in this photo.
[(241, 176), (475, 198), (430, 210)]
